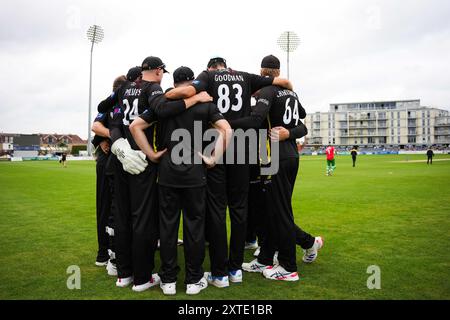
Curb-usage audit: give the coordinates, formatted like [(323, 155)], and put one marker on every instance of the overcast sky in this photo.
[(349, 51)]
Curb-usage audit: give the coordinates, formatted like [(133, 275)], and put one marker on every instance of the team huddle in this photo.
[(188, 151)]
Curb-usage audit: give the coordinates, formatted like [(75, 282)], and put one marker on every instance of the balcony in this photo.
[(441, 132), (442, 124), (445, 140)]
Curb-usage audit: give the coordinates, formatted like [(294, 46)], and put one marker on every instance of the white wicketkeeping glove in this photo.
[(133, 161)]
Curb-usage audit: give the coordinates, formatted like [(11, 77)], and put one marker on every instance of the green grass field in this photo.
[(385, 212)]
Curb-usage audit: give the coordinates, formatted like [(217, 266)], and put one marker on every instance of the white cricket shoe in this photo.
[(169, 289), (254, 266), (195, 288), (257, 251), (279, 273), (311, 254), (235, 276), (219, 282), (155, 280), (111, 268), (179, 242), (124, 282), (251, 245)]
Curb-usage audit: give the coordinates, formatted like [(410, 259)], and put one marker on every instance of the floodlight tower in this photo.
[(95, 35), (288, 41)]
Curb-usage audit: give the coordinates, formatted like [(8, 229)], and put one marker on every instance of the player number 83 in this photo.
[(224, 103)]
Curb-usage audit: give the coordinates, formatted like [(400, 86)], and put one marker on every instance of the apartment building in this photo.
[(384, 123)]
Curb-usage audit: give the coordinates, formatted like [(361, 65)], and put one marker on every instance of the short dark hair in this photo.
[(217, 62)]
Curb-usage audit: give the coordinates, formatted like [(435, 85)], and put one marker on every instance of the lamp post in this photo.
[(95, 35), (288, 42)]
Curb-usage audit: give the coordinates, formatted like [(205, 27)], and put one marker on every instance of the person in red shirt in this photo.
[(331, 163)]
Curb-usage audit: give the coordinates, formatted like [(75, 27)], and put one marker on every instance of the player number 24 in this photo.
[(223, 103), (290, 113), (130, 113)]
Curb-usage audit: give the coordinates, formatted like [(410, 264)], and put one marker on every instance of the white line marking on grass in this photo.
[(415, 161)]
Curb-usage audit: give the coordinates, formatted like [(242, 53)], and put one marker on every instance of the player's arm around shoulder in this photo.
[(181, 93), (284, 83)]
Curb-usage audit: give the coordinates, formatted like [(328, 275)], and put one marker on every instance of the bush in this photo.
[(76, 149)]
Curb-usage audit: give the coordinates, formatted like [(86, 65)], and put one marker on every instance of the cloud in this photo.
[(350, 51)]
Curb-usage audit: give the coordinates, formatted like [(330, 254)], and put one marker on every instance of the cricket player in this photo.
[(228, 183), (105, 202), (330, 152), (136, 220), (283, 112), (182, 184)]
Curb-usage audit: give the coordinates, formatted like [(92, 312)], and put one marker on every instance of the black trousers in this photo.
[(136, 223), (354, 160), (193, 202), (111, 224), (227, 185), (257, 218), (303, 239), (282, 233), (103, 207), (255, 207), (430, 160)]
